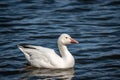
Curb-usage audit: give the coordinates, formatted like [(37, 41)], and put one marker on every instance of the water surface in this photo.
[(94, 23)]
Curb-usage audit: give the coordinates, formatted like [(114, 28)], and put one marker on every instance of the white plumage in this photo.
[(42, 57)]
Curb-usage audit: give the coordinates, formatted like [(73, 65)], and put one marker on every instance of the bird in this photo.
[(42, 57)]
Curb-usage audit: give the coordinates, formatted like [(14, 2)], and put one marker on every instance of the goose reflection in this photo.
[(33, 73)]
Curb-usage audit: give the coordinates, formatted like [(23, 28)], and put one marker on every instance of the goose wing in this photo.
[(40, 56)]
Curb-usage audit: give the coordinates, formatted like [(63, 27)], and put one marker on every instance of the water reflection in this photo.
[(34, 73)]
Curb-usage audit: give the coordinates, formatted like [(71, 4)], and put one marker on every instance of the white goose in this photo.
[(42, 57)]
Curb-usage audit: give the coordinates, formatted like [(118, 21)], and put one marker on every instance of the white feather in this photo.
[(42, 57)]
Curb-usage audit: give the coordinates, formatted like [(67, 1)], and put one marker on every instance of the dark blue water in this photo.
[(94, 23)]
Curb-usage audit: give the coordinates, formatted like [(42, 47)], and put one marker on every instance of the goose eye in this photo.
[(66, 37)]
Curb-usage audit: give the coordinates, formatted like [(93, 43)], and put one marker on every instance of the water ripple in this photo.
[(94, 23)]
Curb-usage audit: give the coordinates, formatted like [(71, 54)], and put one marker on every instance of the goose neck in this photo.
[(63, 50)]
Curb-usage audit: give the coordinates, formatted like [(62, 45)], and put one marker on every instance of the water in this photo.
[(94, 23)]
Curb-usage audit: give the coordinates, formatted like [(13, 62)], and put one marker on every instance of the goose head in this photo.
[(66, 39)]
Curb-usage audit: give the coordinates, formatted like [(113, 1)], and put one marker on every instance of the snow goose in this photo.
[(42, 57)]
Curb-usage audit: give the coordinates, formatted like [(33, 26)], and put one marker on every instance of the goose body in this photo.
[(43, 57)]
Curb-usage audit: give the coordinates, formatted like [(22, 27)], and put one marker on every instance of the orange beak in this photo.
[(73, 41)]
